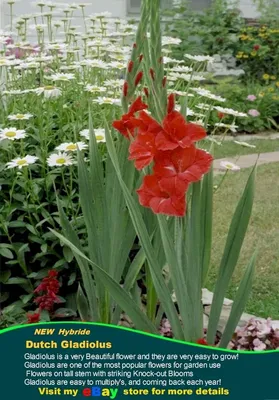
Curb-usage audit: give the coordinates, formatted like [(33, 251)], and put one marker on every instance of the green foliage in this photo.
[(212, 31)]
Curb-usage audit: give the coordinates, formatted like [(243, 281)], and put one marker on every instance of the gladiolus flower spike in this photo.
[(171, 147)]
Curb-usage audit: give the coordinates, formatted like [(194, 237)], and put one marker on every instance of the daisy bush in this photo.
[(106, 185)]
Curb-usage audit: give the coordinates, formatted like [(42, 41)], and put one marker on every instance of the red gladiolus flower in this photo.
[(33, 318), (125, 89), (140, 58), (171, 102), (202, 341), (170, 201), (125, 125), (146, 92), (137, 105), (178, 133), (138, 78), (152, 73), (143, 150), (257, 47), (182, 165), (130, 66)]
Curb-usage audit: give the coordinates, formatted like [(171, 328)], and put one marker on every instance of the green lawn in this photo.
[(231, 149), (263, 234)]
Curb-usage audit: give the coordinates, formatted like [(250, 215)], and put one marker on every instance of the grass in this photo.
[(263, 233), (231, 149)]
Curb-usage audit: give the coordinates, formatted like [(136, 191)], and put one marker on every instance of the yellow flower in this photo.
[(277, 84), (261, 94), (253, 53), (273, 77), (275, 98), (266, 77), (245, 56), (271, 89), (239, 56)]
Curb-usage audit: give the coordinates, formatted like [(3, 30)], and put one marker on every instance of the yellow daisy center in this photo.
[(21, 162), (20, 116), (107, 101), (229, 166), (61, 160), (99, 137), (49, 87), (71, 147), (10, 134)]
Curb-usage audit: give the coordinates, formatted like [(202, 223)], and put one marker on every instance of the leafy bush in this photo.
[(212, 31), (258, 52)]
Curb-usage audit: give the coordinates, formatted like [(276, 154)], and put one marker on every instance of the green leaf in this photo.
[(17, 281), (206, 223), (156, 271), (26, 298), (64, 313), (68, 254), (230, 257), (82, 305), (239, 303), (6, 253), (4, 276), (121, 297), (88, 282)]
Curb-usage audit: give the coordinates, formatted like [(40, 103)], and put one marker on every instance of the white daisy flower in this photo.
[(206, 93), (85, 133), (180, 68), (114, 83), (62, 77), (94, 63), (166, 40), (60, 159), (72, 146), (231, 127), (48, 91), (230, 111), (229, 166), (21, 162), (118, 65), (57, 46), (198, 58), (95, 89), (245, 144), (12, 134), (99, 134), (19, 117), (168, 60), (107, 100)]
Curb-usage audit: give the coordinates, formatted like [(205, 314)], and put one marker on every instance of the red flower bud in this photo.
[(221, 115), (202, 341), (171, 102), (257, 47), (125, 89), (164, 81), (138, 78), (130, 66), (152, 73), (146, 91), (140, 58), (134, 45)]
